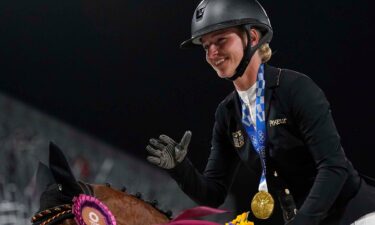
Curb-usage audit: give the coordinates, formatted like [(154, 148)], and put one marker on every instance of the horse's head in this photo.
[(61, 187)]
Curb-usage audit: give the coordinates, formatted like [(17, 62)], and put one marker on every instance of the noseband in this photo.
[(59, 213)]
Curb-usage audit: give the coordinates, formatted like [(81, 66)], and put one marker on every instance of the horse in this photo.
[(56, 201), (59, 202)]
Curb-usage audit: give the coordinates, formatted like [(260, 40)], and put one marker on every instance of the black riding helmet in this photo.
[(213, 15)]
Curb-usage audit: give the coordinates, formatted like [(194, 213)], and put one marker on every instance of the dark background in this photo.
[(114, 70)]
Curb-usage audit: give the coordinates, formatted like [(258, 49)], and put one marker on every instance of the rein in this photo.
[(59, 213)]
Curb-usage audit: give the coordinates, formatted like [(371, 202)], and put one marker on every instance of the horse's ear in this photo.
[(61, 171), (44, 177)]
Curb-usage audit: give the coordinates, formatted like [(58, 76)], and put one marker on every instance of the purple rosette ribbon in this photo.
[(89, 210)]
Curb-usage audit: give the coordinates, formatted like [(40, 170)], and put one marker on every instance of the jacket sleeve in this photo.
[(313, 117), (211, 187)]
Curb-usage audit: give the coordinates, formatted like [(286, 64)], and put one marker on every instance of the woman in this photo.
[(277, 122)]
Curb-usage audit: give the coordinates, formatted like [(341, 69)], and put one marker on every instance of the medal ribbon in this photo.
[(257, 134)]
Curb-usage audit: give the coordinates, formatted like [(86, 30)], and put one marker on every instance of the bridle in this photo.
[(59, 213), (53, 215)]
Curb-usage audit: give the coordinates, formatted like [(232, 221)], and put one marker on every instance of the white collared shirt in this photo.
[(248, 97)]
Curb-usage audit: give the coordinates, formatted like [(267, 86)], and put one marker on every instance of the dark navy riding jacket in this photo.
[(303, 146)]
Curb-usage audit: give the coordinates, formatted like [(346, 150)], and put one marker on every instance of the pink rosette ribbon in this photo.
[(88, 210)]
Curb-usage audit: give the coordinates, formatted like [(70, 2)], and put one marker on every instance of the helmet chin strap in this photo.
[(248, 53)]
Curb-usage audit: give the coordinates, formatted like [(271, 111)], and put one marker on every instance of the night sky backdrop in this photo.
[(113, 68)]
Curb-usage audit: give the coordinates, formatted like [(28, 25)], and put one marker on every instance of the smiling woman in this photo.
[(277, 122), (217, 45)]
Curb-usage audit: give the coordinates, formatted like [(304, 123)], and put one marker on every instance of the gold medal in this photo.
[(262, 205)]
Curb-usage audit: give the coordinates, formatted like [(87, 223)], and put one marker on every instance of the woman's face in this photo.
[(224, 50)]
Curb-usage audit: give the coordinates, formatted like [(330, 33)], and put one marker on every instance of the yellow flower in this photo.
[(241, 220)]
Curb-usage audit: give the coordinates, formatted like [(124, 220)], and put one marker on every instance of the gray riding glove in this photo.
[(166, 153)]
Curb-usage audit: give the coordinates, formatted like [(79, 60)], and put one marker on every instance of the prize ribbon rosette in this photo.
[(90, 211)]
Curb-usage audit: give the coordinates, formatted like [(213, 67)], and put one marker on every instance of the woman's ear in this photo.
[(254, 36)]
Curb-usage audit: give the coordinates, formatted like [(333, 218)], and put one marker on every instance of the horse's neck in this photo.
[(68, 222), (128, 209)]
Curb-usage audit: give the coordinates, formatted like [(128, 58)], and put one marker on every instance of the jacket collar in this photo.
[(272, 76)]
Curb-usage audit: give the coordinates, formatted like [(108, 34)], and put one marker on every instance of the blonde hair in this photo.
[(265, 52)]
